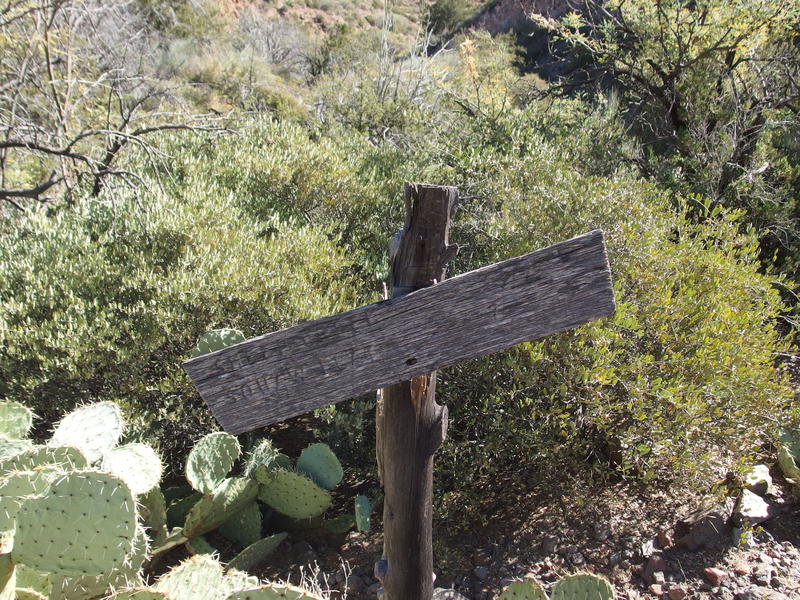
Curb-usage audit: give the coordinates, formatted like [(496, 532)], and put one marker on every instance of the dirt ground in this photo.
[(618, 530)]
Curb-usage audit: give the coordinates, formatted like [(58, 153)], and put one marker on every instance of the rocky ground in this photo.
[(739, 545)]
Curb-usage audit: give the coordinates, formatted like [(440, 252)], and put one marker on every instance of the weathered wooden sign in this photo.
[(296, 370), (397, 345)]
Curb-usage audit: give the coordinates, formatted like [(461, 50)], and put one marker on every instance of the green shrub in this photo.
[(445, 15), (683, 377), (106, 300)]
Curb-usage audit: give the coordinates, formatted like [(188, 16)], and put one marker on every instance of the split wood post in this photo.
[(410, 425)]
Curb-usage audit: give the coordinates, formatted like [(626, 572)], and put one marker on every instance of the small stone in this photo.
[(705, 528), (762, 576), (656, 589), (614, 559), (577, 559), (481, 573), (751, 509), (741, 568), (658, 577), (654, 565), (550, 543), (715, 576), (677, 593), (602, 531), (444, 594), (758, 480)]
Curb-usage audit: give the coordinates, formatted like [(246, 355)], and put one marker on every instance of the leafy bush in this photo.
[(105, 300)]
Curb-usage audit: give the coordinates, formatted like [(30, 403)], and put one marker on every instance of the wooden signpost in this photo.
[(397, 345)]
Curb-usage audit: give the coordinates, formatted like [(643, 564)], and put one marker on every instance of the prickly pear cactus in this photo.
[(213, 509), (320, 464), (275, 591), (363, 512), (211, 460), (789, 455), (244, 527), (255, 554), (582, 587), (83, 525), (216, 339), (94, 429), (523, 590), (202, 578), (65, 457), (15, 420), (66, 587), (264, 453), (137, 465), (292, 494)]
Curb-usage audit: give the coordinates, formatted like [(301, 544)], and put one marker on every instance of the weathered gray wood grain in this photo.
[(293, 371)]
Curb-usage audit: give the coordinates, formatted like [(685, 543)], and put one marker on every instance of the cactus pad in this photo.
[(8, 577), (341, 524), (201, 545), (255, 554), (196, 578), (789, 455), (94, 429), (139, 594), (244, 527), (33, 580), (582, 587), (14, 488), (217, 339), (154, 515), (275, 592), (15, 420), (264, 453), (212, 510), (84, 525), (523, 590), (320, 464), (67, 457), (137, 465), (29, 594), (10, 448), (178, 509), (211, 460), (202, 578), (292, 494), (363, 511)]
